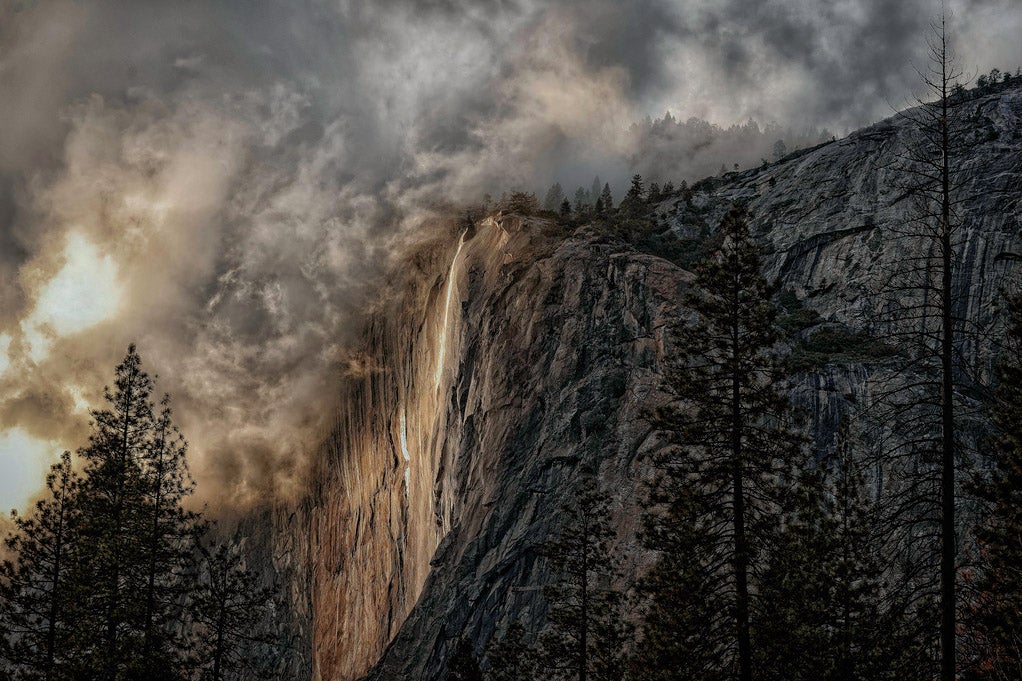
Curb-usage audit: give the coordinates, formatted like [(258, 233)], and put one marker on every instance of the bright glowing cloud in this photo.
[(84, 292), (5, 347), (23, 463)]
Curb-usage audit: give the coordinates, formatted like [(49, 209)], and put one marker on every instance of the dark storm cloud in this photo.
[(838, 63), (245, 170), (848, 53)]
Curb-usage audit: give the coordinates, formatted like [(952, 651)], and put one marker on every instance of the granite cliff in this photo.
[(506, 359)]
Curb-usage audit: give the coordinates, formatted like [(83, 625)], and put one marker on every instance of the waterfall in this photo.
[(441, 354), (387, 502)]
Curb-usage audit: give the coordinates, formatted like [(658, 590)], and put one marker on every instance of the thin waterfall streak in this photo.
[(447, 313), (403, 422), (404, 438)]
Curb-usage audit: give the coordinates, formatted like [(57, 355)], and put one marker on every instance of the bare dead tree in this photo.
[(929, 398)]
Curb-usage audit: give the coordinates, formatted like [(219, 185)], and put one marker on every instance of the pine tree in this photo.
[(635, 191), (594, 190), (948, 446), (111, 571), (780, 150), (554, 196), (996, 618), (565, 208), (132, 575), (607, 199), (36, 594), (686, 619), (729, 446), (463, 665), (582, 201), (229, 604), (822, 588), (168, 546), (585, 632), (633, 204), (103, 581), (511, 658)]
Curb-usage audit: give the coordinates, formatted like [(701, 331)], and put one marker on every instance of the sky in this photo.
[(226, 183)]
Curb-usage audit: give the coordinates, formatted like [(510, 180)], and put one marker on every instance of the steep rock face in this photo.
[(486, 389), (837, 220), (560, 357), (509, 361)]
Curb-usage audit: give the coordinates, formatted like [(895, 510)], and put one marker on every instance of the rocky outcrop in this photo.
[(512, 358), (560, 356), (488, 385), (837, 221)]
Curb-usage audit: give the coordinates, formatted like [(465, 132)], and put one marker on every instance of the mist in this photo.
[(226, 184)]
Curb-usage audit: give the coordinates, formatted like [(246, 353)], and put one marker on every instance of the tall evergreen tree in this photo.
[(944, 79), (229, 605), (585, 632), (607, 199), (582, 201), (511, 658), (103, 580), (634, 203), (168, 546), (822, 589), (554, 196), (133, 574), (995, 621), (463, 665), (635, 190), (728, 443), (113, 498), (36, 594)]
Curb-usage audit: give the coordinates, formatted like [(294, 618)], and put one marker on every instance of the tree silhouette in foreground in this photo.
[(995, 617), (922, 309), (104, 579), (585, 632), (463, 665), (728, 447), (168, 543), (229, 604), (111, 572), (822, 588), (511, 658), (35, 591)]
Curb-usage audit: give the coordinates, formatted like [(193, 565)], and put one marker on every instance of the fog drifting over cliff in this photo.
[(224, 183)]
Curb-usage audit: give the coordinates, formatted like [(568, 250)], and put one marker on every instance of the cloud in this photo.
[(225, 183)]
